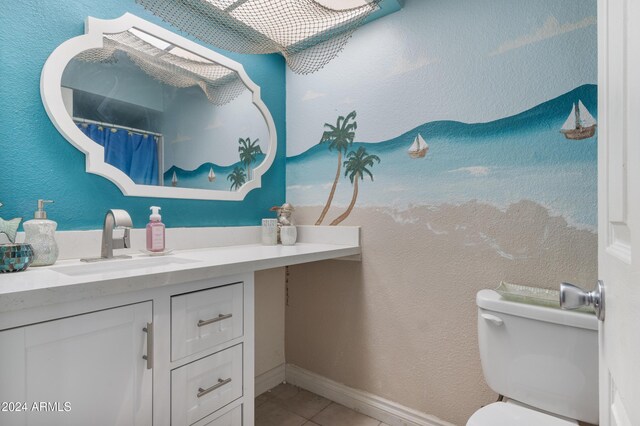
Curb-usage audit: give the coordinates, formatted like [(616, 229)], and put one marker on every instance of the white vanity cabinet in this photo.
[(85, 369), (177, 355), (74, 332)]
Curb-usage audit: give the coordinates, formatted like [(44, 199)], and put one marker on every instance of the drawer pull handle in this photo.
[(220, 317), (149, 356), (221, 383)]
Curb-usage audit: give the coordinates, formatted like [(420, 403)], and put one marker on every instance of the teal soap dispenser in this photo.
[(40, 234)]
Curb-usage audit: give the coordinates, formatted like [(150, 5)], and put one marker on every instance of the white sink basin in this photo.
[(119, 265)]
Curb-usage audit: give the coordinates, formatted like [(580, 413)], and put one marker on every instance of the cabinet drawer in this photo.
[(232, 418), (204, 319), (204, 386)]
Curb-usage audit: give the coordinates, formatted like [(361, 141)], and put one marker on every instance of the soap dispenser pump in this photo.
[(40, 233), (155, 231)]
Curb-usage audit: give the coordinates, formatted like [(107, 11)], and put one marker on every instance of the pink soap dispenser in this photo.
[(155, 231)]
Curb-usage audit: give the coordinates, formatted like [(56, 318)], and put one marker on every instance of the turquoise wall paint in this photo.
[(386, 7), (37, 162)]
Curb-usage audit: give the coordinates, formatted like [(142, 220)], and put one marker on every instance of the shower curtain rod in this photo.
[(130, 129)]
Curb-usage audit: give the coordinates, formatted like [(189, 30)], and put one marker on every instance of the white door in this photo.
[(82, 370), (619, 209)]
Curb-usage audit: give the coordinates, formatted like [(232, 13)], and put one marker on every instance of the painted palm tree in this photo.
[(248, 152), (356, 167), (237, 178), (339, 137)]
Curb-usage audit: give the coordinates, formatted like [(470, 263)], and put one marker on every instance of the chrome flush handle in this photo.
[(221, 382), (219, 318), (573, 297)]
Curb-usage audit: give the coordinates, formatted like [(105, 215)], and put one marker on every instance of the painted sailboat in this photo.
[(211, 176), (580, 124), (418, 148), (174, 179)]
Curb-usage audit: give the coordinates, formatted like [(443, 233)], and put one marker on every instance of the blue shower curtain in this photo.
[(133, 153)]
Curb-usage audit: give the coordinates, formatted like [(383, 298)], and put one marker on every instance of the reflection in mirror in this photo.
[(165, 116), (157, 114)]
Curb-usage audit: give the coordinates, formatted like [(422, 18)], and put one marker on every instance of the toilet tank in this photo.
[(543, 357)]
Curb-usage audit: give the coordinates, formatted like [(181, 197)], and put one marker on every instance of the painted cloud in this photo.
[(312, 94), (404, 65), (551, 28)]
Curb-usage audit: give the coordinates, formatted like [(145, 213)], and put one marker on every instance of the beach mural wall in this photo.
[(212, 146), (462, 137)]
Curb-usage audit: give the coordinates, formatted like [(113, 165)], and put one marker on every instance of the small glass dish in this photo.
[(157, 253), (15, 257), (533, 296)]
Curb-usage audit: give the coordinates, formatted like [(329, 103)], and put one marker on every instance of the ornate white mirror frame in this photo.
[(50, 90)]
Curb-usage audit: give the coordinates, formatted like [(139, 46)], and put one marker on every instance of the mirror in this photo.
[(157, 114)]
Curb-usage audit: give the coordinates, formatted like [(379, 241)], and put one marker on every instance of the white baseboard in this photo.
[(270, 379), (374, 406)]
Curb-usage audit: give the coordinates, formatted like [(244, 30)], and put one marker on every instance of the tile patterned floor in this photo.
[(287, 405)]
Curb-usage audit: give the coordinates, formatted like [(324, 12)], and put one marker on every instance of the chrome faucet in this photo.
[(115, 218)]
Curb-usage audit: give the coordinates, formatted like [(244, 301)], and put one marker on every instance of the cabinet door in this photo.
[(82, 370)]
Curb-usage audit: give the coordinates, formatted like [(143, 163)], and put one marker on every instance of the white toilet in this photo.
[(543, 360)]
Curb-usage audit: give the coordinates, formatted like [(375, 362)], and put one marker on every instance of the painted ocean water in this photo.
[(198, 178), (522, 157)]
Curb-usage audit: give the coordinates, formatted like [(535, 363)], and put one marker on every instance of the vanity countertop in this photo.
[(75, 280)]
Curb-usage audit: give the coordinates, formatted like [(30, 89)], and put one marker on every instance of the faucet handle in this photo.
[(121, 218), (116, 218)]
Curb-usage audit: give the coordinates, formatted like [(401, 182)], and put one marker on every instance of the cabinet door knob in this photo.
[(221, 382)]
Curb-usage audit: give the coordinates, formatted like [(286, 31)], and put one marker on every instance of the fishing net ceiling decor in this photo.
[(306, 33), (169, 64)]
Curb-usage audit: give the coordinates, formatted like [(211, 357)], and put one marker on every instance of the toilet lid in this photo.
[(506, 414)]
